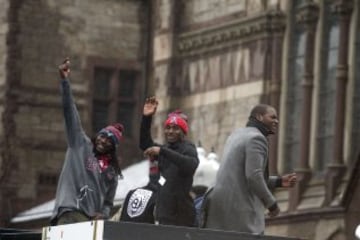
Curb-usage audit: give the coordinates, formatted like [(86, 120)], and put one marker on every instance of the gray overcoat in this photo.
[(242, 189)]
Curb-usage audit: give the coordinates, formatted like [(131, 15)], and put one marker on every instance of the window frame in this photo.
[(117, 65)]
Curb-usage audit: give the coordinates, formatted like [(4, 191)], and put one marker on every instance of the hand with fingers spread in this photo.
[(64, 69), (150, 106)]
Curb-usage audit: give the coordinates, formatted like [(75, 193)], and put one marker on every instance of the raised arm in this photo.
[(73, 126), (149, 110)]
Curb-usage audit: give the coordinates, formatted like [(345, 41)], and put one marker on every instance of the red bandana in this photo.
[(177, 120), (104, 162)]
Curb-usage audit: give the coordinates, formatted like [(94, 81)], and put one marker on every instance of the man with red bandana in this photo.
[(177, 160)]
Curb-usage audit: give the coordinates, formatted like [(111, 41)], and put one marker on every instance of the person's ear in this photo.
[(259, 117)]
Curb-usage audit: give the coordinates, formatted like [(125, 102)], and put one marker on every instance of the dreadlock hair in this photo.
[(115, 163)]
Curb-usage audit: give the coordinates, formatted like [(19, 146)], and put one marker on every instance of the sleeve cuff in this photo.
[(278, 182), (273, 207)]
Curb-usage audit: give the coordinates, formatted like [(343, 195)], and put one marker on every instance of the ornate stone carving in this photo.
[(342, 8), (307, 14), (277, 23), (230, 34)]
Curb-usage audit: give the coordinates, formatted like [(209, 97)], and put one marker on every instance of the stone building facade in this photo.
[(217, 59), (214, 59), (106, 41)]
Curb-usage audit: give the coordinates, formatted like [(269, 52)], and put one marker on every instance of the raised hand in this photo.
[(64, 68), (288, 180), (150, 106)]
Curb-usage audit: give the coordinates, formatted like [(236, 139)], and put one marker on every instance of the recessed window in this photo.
[(114, 98)]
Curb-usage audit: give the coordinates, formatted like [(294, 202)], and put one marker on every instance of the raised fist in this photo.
[(64, 68)]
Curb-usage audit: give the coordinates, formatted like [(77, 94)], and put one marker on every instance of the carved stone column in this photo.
[(307, 16), (336, 169), (277, 30)]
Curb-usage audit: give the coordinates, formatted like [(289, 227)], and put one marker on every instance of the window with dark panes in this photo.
[(101, 100), (126, 98), (114, 98), (327, 91)]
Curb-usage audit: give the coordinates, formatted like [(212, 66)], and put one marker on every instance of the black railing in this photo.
[(18, 234)]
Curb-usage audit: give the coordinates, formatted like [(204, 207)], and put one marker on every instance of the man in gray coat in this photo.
[(242, 189)]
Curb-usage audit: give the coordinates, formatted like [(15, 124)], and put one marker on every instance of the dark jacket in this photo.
[(177, 164), (139, 204)]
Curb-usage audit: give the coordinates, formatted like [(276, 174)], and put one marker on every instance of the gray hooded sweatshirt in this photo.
[(82, 185)]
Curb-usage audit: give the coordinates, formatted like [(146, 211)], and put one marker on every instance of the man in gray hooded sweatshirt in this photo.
[(89, 176), (242, 189)]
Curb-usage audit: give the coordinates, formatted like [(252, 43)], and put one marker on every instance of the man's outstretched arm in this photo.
[(73, 126)]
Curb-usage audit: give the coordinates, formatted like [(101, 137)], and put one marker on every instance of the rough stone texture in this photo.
[(3, 31), (231, 67), (202, 11), (161, 84), (3, 54), (255, 6), (163, 47), (212, 124), (163, 52), (163, 21), (77, 29)]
